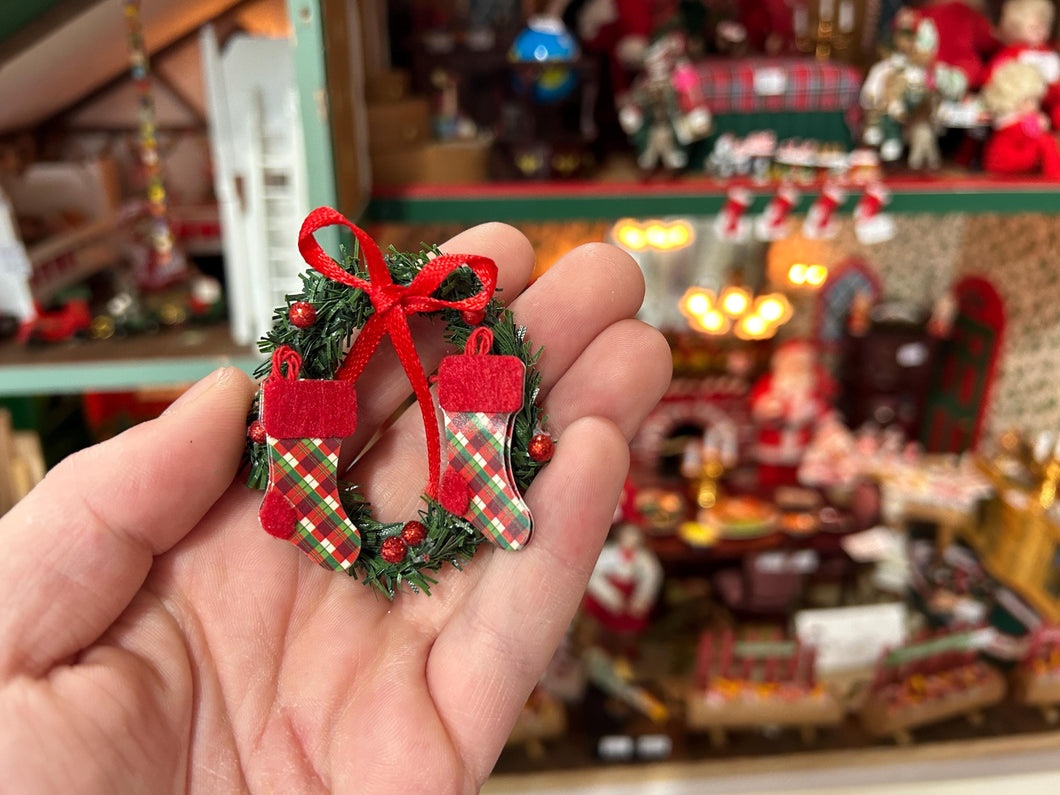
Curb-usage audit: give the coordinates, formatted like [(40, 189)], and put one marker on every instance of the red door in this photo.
[(967, 361)]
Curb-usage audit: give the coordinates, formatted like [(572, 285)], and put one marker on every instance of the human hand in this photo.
[(153, 638)]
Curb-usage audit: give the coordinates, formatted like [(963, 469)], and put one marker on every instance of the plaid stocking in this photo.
[(305, 422), (479, 395)]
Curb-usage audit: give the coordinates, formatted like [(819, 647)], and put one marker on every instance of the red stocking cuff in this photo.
[(478, 381), (308, 409)]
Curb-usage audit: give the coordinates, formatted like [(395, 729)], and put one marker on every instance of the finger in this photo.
[(586, 291), (488, 657), (79, 546), (563, 311), (386, 386), (620, 377)]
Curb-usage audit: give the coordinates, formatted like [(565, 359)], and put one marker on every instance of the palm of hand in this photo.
[(152, 637)]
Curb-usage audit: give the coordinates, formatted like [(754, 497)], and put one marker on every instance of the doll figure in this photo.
[(1021, 141), (624, 584), (659, 113), (1025, 28), (902, 92)]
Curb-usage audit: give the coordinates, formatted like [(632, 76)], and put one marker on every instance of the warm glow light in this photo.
[(658, 235), (713, 322), (695, 302), (797, 273), (699, 304), (735, 301), (630, 235), (680, 235), (754, 327), (816, 274), (774, 308), (754, 324)]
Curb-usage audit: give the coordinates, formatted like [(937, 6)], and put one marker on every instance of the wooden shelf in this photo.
[(172, 357), (610, 199)]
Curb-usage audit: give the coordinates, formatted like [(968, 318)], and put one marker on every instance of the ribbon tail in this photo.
[(363, 348), (401, 337)]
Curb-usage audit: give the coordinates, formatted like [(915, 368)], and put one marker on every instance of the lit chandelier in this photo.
[(735, 309)]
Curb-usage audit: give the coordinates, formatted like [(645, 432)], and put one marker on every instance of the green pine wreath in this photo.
[(340, 312)]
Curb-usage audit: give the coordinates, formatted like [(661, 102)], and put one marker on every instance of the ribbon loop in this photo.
[(392, 304)]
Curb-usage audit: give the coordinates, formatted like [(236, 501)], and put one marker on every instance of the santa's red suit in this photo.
[(623, 587), (613, 27), (1022, 143), (786, 415), (1043, 58), (966, 38), (770, 25)]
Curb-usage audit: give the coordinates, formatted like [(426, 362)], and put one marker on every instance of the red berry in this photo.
[(414, 533), (302, 314), (541, 448), (473, 316), (394, 549), (256, 432)]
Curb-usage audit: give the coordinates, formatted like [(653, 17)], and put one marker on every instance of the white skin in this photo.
[(154, 639), (1020, 25)]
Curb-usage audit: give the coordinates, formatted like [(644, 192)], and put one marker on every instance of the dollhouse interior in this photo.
[(840, 529)]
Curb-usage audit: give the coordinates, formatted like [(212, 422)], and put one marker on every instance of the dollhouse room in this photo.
[(835, 561)]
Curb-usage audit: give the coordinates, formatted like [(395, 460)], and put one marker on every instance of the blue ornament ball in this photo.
[(546, 40)]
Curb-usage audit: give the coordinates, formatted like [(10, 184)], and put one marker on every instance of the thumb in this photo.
[(79, 546)]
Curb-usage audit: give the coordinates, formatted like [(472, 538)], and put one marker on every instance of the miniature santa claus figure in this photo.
[(1021, 141), (620, 28), (624, 584), (787, 404), (1025, 28), (966, 37)]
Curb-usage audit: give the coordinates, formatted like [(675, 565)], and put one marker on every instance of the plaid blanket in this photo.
[(751, 85)]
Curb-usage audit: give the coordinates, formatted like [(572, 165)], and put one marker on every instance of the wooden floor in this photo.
[(1022, 764)]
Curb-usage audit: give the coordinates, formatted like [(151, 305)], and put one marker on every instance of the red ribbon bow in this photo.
[(393, 304)]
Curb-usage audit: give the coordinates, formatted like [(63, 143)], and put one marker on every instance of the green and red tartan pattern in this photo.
[(479, 450), (303, 470), (728, 85)]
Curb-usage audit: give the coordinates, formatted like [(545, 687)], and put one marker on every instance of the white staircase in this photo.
[(259, 173)]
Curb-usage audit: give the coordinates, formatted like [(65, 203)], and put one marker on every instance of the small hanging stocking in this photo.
[(480, 395), (305, 422)]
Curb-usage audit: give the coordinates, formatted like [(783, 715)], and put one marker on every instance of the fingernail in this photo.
[(198, 388)]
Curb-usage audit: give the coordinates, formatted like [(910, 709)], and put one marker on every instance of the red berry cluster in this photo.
[(395, 548)]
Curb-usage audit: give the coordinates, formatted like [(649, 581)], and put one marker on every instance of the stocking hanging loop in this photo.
[(285, 355)]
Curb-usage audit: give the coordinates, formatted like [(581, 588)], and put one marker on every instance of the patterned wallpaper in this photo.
[(1018, 254)]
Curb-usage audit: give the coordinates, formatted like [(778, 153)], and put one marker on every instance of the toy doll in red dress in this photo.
[(624, 584), (1022, 141), (787, 404), (1025, 28)]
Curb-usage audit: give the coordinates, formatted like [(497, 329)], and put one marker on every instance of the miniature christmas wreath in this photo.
[(307, 405)]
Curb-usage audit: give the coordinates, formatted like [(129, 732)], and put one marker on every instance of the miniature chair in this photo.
[(770, 583)]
